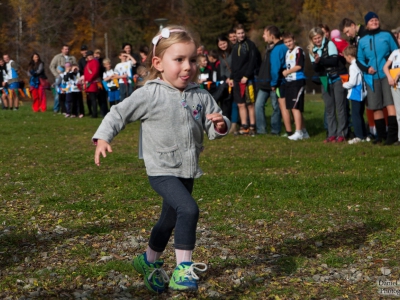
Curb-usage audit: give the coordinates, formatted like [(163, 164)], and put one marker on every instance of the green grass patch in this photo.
[(272, 210)]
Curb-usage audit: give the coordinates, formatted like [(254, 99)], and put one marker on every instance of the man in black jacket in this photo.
[(244, 64)]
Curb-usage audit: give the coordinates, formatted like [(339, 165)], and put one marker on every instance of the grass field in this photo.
[(279, 219)]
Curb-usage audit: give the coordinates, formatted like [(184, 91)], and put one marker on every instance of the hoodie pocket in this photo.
[(169, 157)]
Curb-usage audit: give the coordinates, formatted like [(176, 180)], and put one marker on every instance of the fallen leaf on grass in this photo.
[(118, 257), (105, 258)]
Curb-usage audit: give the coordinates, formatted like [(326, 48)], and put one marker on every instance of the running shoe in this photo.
[(155, 277), (244, 131), (340, 139), (331, 139), (305, 135), (355, 141), (297, 136), (184, 278)]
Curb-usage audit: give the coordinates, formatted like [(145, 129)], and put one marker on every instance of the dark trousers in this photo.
[(357, 117), (79, 100), (179, 211), (125, 90), (92, 100), (62, 100), (102, 96)]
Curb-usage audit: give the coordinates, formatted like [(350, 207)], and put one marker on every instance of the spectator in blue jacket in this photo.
[(270, 79), (373, 51)]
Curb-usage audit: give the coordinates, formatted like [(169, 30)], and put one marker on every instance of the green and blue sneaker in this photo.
[(155, 277), (184, 277)]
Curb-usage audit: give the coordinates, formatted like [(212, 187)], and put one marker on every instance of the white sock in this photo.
[(152, 255), (183, 256)]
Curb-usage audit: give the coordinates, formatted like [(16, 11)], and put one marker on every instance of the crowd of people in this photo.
[(355, 74)]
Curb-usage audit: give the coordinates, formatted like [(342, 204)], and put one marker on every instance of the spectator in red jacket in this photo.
[(91, 74)]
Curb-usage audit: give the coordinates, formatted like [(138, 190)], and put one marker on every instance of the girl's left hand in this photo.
[(218, 120)]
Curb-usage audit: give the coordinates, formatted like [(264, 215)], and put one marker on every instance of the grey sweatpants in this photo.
[(335, 106)]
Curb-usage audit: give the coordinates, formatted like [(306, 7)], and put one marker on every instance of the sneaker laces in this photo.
[(160, 273), (190, 271)]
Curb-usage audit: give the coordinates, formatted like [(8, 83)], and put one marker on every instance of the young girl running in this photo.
[(174, 112)]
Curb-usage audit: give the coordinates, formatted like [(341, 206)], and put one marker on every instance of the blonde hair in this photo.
[(313, 32), (106, 61), (163, 44)]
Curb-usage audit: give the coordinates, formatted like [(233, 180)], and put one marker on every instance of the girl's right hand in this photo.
[(101, 148)]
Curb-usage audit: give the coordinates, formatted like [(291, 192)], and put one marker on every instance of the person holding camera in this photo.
[(74, 98), (325, 60)]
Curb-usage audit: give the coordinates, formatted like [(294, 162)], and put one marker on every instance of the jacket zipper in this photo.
[(376, 59), (189, 135)]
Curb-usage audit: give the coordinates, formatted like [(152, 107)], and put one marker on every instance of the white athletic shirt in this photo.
[(124, 68), (295, 58), (108, 74)]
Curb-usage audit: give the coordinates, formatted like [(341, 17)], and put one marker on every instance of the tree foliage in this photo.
[(43, 26)]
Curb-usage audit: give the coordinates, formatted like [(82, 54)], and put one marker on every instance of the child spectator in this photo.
[(12, 79), (294, 87), (63, 84), (124, 74), (140, 76), (357, 92), (214, 73), (339, 43), (108, 77), (3, 82), (393, 78), (171, 151), (68, 79), (204, 74), (74, 98)]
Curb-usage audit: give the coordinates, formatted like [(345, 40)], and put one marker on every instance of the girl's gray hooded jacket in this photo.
[(173, 124)]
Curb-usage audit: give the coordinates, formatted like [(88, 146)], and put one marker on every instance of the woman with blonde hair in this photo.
[(325, 60)]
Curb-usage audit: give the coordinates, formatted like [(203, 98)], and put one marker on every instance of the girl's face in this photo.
[(128, 49), (1, 63), (178, 65), (222, 45), (317, 40), (35, 58)]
